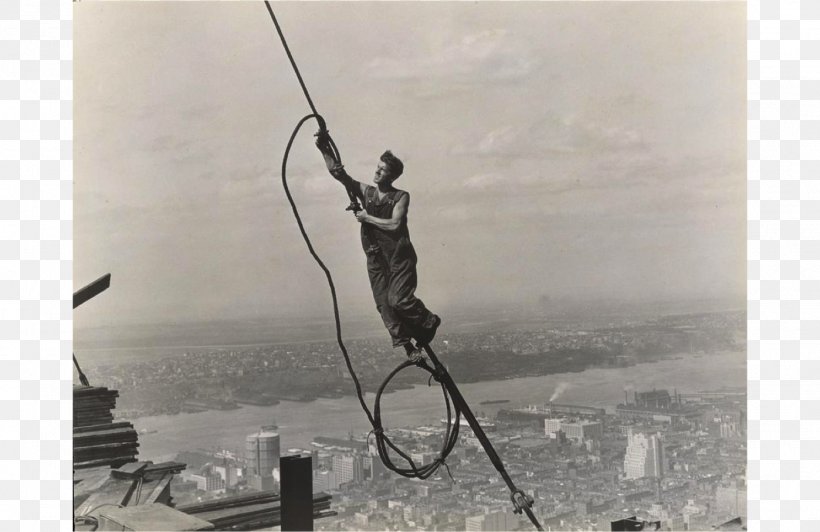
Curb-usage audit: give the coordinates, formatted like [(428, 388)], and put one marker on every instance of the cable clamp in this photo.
[(521, 501)]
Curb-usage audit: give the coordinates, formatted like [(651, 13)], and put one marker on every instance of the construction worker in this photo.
[(391, 259)]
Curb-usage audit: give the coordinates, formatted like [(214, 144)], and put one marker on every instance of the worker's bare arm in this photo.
[(339, 174), (337, 170), (388, 224)]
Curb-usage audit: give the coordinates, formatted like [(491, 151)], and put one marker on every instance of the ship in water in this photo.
[(485, 423), (495, 402)]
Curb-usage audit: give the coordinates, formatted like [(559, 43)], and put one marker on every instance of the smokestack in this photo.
[(626, 397)]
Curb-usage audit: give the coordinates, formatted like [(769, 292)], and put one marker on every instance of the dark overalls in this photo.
[(391, 266)]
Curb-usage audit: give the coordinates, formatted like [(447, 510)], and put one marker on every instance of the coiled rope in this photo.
[(454, 402)]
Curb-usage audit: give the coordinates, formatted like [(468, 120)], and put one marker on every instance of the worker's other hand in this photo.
[(322, 139), (361, 216)]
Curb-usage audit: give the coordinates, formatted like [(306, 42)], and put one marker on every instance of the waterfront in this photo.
[(300, 422)]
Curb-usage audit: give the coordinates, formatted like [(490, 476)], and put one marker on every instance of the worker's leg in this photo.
[(419, 321), (378, 273)]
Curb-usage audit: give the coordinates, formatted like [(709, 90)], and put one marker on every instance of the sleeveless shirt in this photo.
[(372, 236)]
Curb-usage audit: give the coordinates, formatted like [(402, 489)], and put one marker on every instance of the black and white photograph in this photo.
[(409, 266)]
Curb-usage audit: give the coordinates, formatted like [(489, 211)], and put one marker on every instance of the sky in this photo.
[(553, 151)]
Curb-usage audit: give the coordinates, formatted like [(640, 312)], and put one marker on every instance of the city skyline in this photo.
[(564, 407), (551, 153)]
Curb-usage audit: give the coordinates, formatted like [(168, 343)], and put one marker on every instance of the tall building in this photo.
[(551, 426), (228, 472), (262, 453), (207, 480), (644, 456), (348, 468), (324, 481), (658, 399), (577, 431), (374, 468)]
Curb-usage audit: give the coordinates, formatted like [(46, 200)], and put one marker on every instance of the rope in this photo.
[(293, 64), (437, 370)]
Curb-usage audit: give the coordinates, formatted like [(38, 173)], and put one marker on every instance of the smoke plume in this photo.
[(559, 390)]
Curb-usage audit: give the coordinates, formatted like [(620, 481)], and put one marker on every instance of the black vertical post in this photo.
[(296, 492)]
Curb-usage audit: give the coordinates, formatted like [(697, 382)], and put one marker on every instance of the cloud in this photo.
[(551, 135), (534, 184), (488, 180), (322, 186), (482, 181), (487, 56)]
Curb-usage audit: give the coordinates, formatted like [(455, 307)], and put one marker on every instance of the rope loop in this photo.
[(384, 445)]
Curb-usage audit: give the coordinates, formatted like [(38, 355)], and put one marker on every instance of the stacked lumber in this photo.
[(250, 512), (98, 441), (93, 405)]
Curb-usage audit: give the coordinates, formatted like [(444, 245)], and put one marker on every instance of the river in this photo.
[(300, 422)]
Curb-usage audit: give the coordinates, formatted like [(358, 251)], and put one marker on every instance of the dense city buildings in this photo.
[(583, 473), (498, 520), (674, 456)]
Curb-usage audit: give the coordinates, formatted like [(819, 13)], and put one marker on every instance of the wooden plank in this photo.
[(104, 426), (158, 489), (93, 391), (110, 462), (233, 501), (84, 454), (92, 289), (108, 436)]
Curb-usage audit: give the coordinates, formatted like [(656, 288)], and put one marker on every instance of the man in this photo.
[(391, 259)]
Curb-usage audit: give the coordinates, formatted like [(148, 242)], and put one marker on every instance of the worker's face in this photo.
[(383, 174)]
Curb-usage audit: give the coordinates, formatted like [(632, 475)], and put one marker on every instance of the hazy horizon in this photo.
[(137, 337), (553, 151)]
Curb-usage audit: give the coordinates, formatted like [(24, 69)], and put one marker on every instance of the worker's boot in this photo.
[(428, 333)]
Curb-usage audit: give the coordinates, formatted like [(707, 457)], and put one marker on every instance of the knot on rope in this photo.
[(378, 431), (436, 373), (442, 462)]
